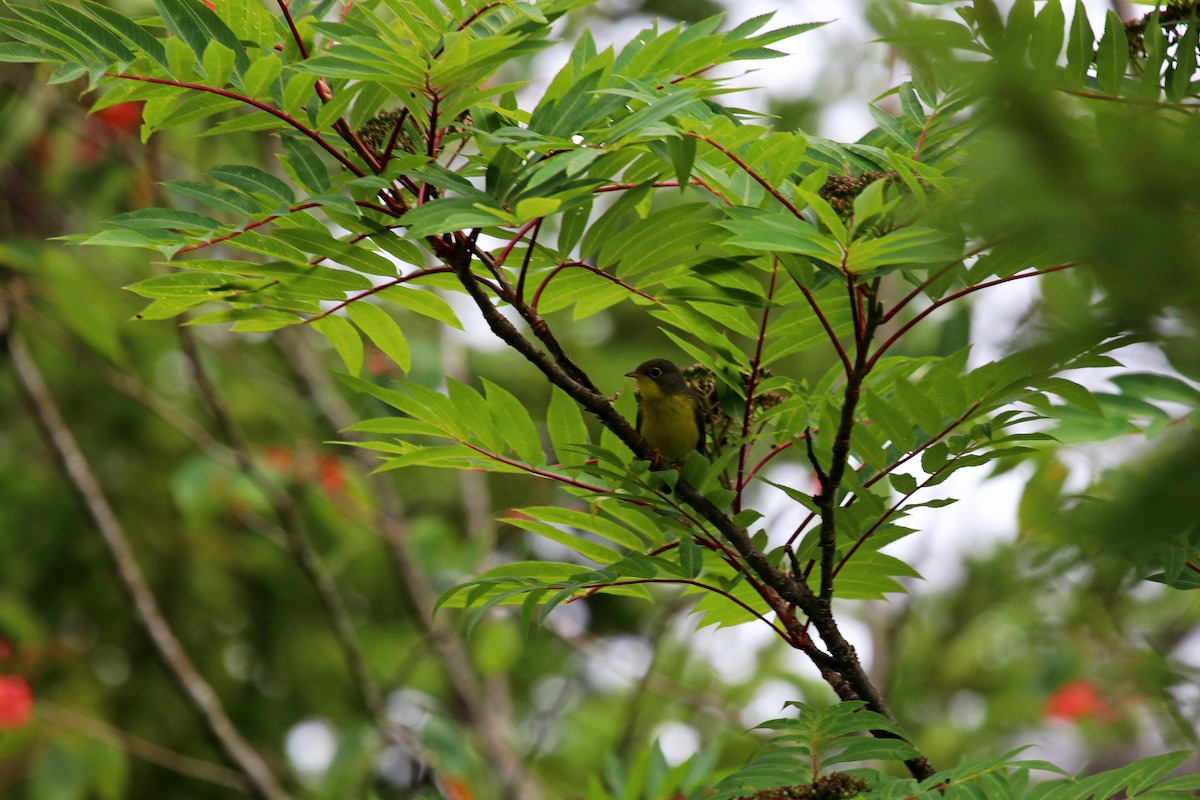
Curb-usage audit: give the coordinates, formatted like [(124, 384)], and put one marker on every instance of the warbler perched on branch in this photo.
[(671, 416)]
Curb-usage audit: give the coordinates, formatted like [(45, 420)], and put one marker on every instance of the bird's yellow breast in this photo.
[(668, 420)]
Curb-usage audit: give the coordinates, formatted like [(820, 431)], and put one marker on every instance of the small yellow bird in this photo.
[(670, 414)]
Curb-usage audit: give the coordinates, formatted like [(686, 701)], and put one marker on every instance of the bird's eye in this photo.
[(655, 372)]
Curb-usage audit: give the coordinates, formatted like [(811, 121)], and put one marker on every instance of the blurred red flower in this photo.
[(16, 702), (1075, 700)]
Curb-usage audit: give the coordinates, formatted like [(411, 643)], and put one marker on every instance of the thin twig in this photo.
[(951, 298), (762, 462), (1129, 100), (751, 386), (763, 182), (304, 129), (137, 747), (537, 295), (833, 339)]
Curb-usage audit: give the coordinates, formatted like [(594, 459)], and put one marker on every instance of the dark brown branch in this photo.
[(827, 499), (538, 325)]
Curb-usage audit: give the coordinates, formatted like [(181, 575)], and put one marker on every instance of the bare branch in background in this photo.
[(78, 472), (138, 747), (292, 522), (494, 728)]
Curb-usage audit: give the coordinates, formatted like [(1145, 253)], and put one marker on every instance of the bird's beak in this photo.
[(633, 374)]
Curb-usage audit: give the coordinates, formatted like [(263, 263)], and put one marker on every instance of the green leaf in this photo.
[(421, 302), (51, 30), (322, 244), (1048, 30), (593, 551), (1179, 86), (871, 575), (345, 340), (910, 103), (214, 197), (1019, 27), (893, 128), (333, 110), (824, 210), (305, 165), (1154, 42), (1151, 386), (98, 34), (254, 181), (564, 421), (254, 242), (774, 231), (691, 557), (192, 108), (989, 23), (915, 245), (916, 406), (181, 64), (640, 124), (299, 90), (165, 219), (868, 748), (133, 33), (1112, 57), (1073, 393), (450, 214), (249, 20), (453, 456), (217, 63), (667, 236), (720, 609), (515, 424), (261, 76), (196, 25), (1079, 45), (905, 484), (734, 317), (527, 574), (21, 53), (534, 207), (587, 521), (472, 412), (381, 329), (249, 320), (397, 426)]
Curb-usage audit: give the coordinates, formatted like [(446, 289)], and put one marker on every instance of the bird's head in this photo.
[(658, 376)]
